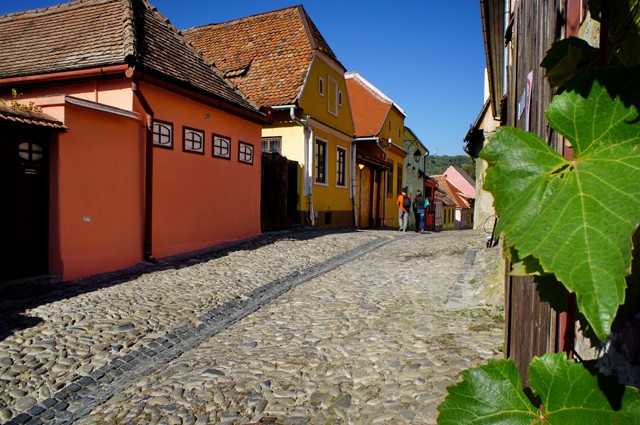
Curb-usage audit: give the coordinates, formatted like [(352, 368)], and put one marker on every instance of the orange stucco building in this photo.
[(150, 154)]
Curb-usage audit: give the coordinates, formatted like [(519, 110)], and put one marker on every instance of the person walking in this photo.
[(404, 206), (419, 205)]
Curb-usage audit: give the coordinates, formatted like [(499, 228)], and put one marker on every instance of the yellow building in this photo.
[(282, 63), (379, 129)]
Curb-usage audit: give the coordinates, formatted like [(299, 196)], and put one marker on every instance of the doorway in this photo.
[(24, 202)]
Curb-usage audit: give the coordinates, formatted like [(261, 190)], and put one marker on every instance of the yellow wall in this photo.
[(393, 129), (330, 196), (336, 129), (448, 217), (318, 106), (292, 140), (293, 149)]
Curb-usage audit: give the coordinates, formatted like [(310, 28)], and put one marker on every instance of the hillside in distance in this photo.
[(437, 164)]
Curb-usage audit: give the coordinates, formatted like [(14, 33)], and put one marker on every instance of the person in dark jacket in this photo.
[(419, 206)]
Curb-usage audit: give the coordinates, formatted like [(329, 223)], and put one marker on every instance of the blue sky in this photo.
[(428, 56)]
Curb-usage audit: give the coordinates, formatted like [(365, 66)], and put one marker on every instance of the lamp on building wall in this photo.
[(417, 155), (361, 166)]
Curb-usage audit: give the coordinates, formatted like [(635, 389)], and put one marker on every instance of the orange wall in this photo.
[(95, 194), (200, 201), (97, 180)]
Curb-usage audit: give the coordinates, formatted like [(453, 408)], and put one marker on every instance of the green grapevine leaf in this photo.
[(576, 217), (490, 393), (574, 393), (567, 58), (569, 393)]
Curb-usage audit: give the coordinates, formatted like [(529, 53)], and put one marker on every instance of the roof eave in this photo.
[(492, 16), (204, 96)]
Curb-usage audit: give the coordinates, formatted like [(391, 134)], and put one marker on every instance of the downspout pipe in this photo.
[(353, 184), (148, 175), (309, 155), (505, 53)]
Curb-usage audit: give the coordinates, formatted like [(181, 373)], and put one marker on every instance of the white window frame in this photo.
[(316, 166), (217, 147), (332, 82), (193, 132), (269, 141), (343, 166), (158, 135), (246, 152)]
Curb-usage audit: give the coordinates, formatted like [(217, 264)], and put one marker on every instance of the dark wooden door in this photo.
[(24, 202)]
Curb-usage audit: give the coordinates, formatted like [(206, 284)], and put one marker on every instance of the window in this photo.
[(30, 151), (245, 153), (390, 180), (321, 86), (339, 97), (321, 161), (163, 134), (193, 140), (341, 167), (272, 144), (399, 177), (221, 147), (332, 98)]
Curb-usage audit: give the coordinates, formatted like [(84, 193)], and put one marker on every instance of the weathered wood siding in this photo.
[(531, 325)]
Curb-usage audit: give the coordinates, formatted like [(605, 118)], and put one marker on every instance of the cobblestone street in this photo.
[(302, 327)]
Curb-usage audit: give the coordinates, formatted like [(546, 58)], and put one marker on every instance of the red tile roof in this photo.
[(267, 56), (369, 106), (369, 110), (454, 195), (85, 34), (8, 113)]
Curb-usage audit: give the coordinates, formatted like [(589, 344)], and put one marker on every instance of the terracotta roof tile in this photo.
[(94, 33), (368, 107), (8, 113), (267, 56), (454, 195)]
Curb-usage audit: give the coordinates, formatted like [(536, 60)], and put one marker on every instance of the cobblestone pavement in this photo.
[(304, 327)]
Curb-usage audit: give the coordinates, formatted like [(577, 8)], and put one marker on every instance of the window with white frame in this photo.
[(341, 167), (221, 146), (245, 153), (272, 144), (320, 161), (163, 134), (193, 140), (390, 180), (399, 177), (332, 96)]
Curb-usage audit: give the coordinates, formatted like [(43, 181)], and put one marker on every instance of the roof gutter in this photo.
[(308, 171), (372, 139), (65, 75), (148, 167)]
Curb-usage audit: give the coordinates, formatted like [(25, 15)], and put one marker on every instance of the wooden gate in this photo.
[(24, 202), (279, 197)]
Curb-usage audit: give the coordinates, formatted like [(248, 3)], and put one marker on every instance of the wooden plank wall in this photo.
[(531, 325)]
